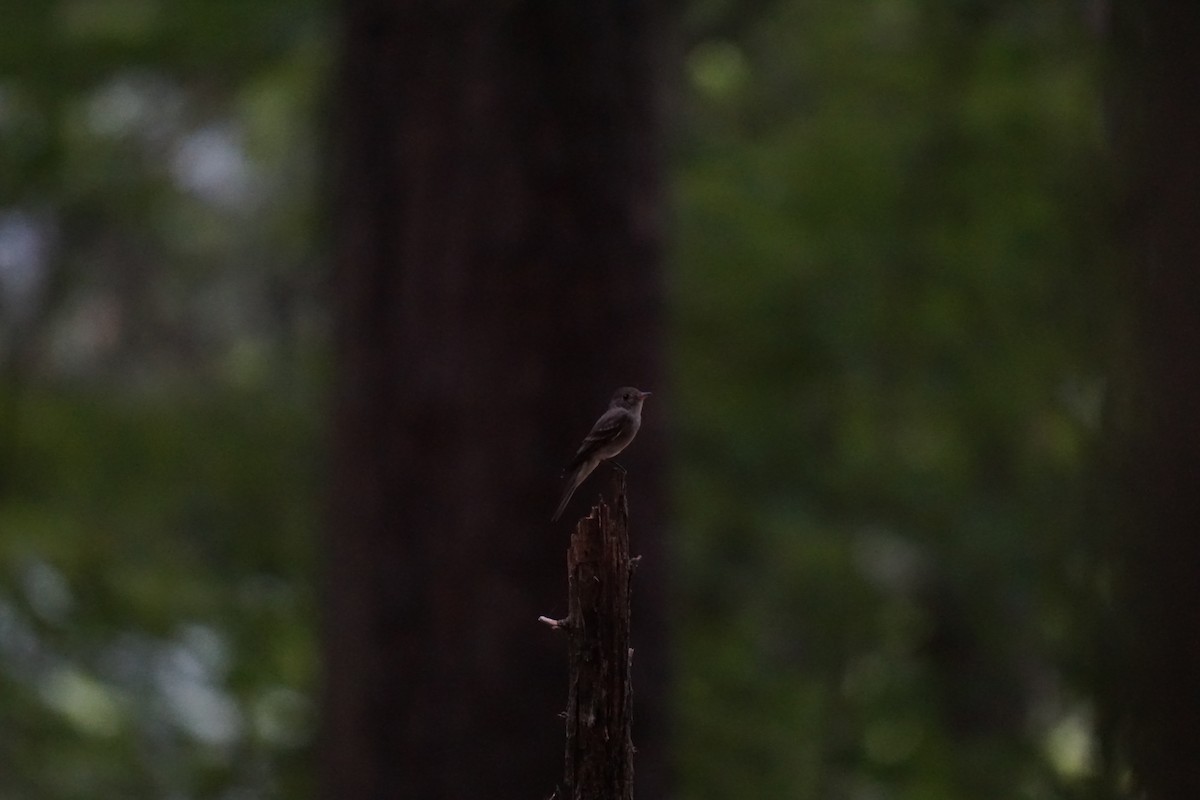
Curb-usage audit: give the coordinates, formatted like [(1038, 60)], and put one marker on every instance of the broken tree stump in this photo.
[(599, 754)]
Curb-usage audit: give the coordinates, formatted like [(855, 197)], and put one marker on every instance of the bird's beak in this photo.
[(643, 395)]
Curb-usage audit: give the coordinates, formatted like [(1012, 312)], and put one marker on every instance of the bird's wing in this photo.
[(607, 428)]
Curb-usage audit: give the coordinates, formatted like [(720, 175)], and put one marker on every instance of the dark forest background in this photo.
[(304, 304)]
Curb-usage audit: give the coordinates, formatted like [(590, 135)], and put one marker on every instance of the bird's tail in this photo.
[(576, 478)]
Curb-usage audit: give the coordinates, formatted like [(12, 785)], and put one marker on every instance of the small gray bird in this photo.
[(610, 435)]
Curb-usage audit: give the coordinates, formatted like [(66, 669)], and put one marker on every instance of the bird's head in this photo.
[(629, 397)]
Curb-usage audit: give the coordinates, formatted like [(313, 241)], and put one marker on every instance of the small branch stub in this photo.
[(599, 753)]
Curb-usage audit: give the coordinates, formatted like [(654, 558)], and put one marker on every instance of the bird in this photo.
[(611, 434)]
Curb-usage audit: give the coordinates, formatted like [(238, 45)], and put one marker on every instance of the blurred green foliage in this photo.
[(154, 610), (891, 314), (890, 299), (159, 426)]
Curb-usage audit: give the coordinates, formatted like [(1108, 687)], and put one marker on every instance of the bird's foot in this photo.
[(616, 466)]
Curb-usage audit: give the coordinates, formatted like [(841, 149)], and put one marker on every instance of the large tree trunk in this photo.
[(1157, 687), (497, 242)]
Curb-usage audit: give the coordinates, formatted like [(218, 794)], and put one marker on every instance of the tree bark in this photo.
[(497, 239), (1157, 416), (599, 757)]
